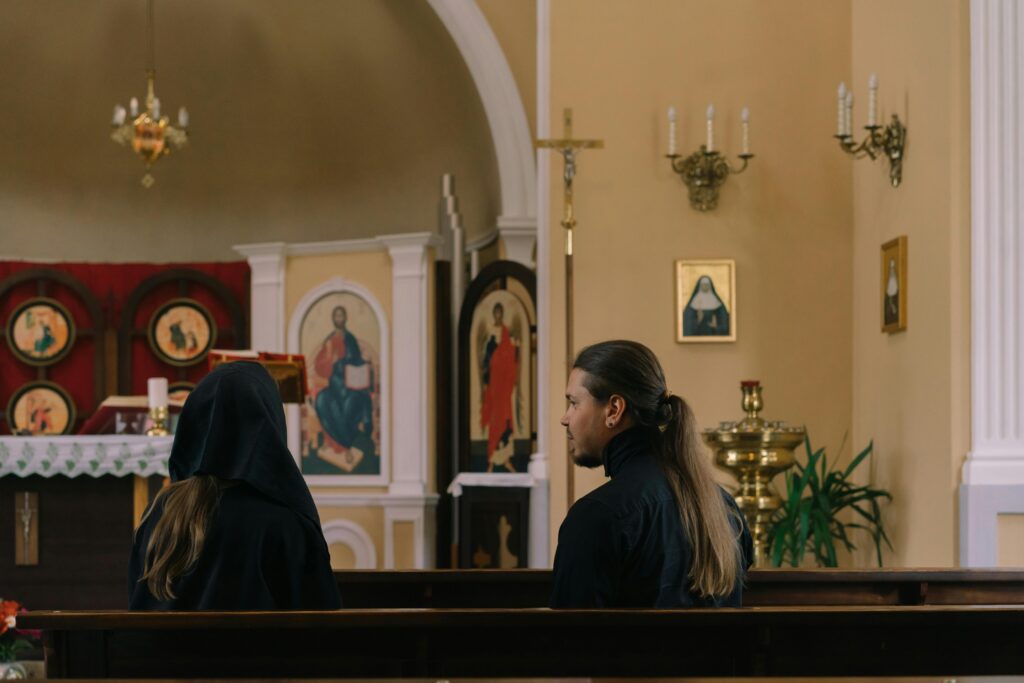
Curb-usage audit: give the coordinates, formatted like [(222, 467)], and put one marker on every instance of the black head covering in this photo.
[(232, 427)]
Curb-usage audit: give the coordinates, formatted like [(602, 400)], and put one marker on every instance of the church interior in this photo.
[(415, 212)]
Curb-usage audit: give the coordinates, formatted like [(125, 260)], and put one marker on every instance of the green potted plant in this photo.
[(820, 508)]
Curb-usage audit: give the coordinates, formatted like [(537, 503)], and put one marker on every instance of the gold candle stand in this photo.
[(754, 451), (160, 417)]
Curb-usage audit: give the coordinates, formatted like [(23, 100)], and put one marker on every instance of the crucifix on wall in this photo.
[(569, 147)]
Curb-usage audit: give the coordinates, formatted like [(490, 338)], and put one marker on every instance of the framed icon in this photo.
[(40, 331), (894, 285), (706, 301), (41, 408), (182, 332)]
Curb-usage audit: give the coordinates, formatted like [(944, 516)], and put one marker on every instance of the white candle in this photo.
[(156, 108), (119, 115), (745, 117), (157, 392), (671, 131), (183, 117), (841, 130), (849, 114), (133, 107), (872, 99), (711, 126)]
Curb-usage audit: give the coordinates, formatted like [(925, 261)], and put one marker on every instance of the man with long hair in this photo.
[(661, 533)]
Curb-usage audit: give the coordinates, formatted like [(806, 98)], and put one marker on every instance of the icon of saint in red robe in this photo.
[(500, 373)]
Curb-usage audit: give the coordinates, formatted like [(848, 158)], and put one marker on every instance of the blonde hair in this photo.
[(632, 371), (179, 535)]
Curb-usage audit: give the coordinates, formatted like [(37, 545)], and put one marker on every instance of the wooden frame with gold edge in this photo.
[(65, 397), (893, 309), (58, 309), (722, 274), (164, 309)]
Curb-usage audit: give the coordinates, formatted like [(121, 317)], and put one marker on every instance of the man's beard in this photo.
[(588, 461)]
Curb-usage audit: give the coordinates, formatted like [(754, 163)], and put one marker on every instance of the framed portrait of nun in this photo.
[(894, 285), (705, 301)]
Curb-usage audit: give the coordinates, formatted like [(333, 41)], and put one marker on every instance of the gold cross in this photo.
[(567, 146)]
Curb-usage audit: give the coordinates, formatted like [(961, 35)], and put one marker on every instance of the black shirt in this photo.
[(623, 544)]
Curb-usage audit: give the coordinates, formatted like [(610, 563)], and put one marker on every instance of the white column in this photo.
[(266, 298), (993, 475), (409, 310), (540, 498), (519, 235)]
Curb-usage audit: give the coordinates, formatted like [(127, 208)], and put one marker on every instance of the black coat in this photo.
[(623, 544), (264, 547)]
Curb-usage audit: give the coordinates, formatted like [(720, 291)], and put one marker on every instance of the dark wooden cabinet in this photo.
[(85, 534)]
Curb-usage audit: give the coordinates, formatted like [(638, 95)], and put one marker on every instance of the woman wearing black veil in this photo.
[(237, 529), (705, 313)]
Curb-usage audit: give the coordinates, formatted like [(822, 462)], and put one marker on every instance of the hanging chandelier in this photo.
[(149, 133)]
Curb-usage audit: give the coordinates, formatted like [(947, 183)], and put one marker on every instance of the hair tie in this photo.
[(664, 398)]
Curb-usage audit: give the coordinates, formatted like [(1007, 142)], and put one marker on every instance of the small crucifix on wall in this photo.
[(26, 528)]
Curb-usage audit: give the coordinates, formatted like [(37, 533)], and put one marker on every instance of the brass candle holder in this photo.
[(887, 141), (704, 173), (160, 417), (754, 450)]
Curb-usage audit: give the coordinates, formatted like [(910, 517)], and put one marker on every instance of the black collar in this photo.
[(622, 447)]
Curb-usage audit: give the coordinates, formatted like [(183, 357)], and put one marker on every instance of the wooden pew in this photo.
[(760, 641), (765, 587)]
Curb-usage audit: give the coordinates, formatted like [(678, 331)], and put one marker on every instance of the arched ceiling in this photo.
[(311, 120)]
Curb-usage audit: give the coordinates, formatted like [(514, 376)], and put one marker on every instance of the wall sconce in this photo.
[(888, 141), (706, 170)]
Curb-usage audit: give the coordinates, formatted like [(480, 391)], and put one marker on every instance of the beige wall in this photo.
[(312, 120), (787, 221), (911, 389)]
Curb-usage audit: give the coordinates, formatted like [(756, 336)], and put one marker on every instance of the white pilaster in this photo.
[(266, 297), (540, 498), (996, 461), (519, 235), (410, 357)]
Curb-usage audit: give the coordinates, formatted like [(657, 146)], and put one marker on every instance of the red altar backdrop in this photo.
[(112, 285)]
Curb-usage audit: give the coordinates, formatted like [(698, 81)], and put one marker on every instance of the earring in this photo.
[(610, 423)]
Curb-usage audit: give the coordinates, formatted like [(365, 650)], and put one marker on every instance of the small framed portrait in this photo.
[(706, 301), (894, 285), (40, 331), (40, 409), (182, 332)]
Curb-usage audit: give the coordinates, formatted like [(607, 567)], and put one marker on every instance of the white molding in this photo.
[(502, 104), (979, 526), (997, 297), (519, 238), (293, 413), (409, 308), (355, 537), (540, 505), (423, 534), (336, 500), (266, 294), (360, 245)]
